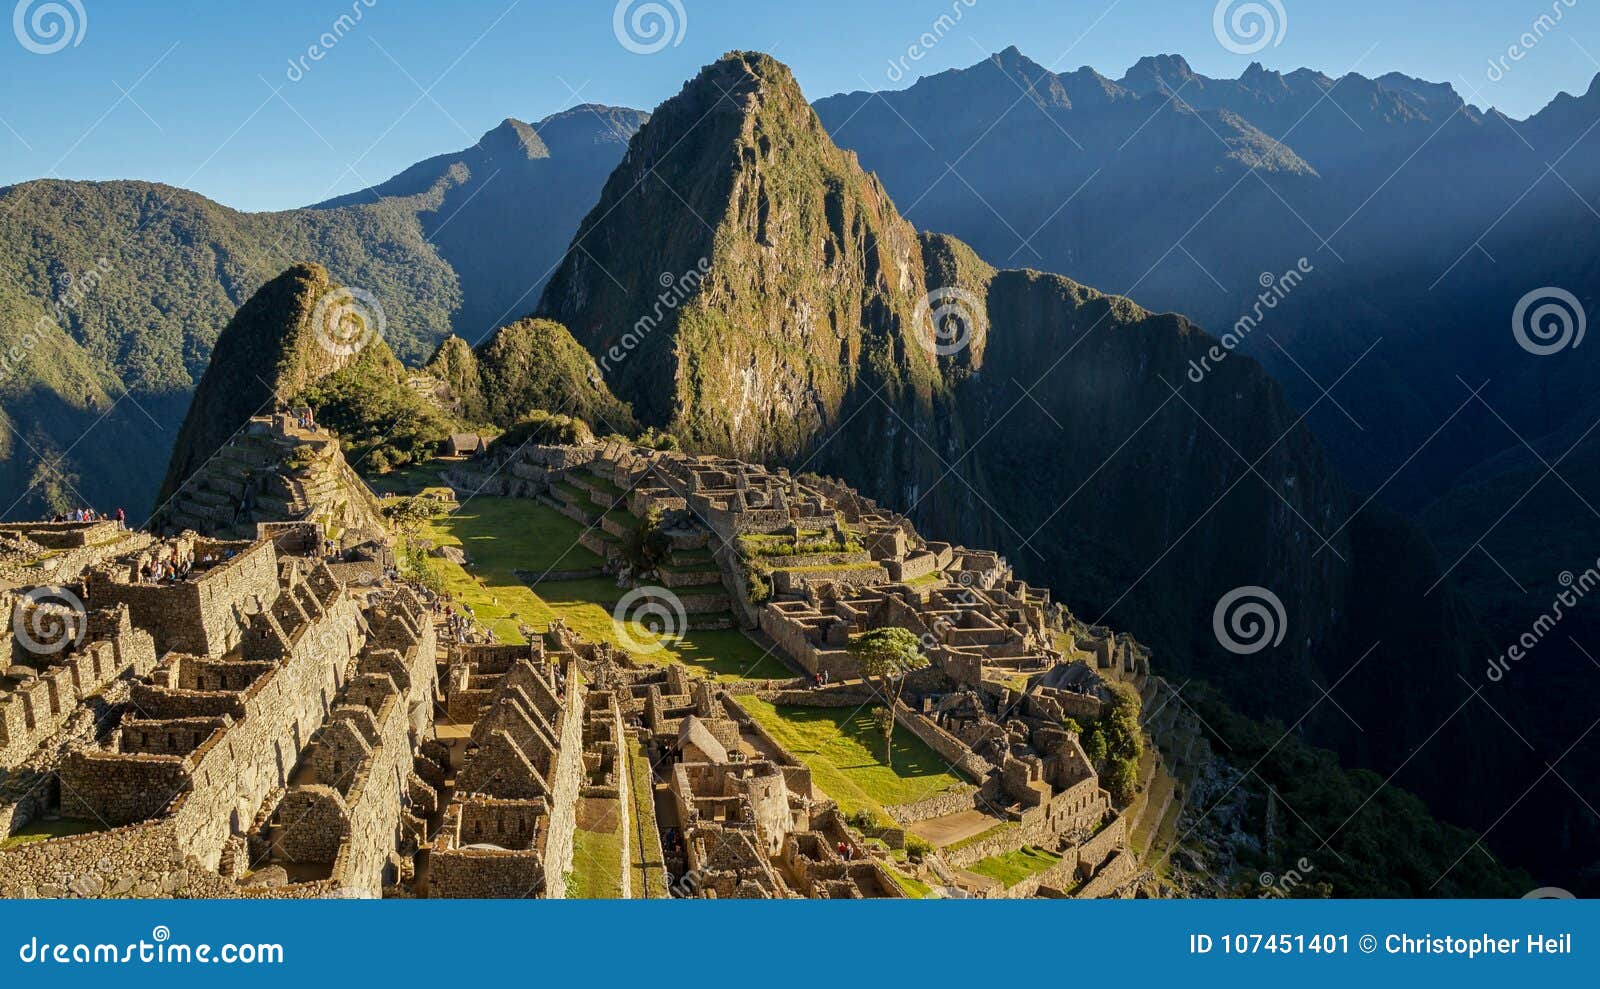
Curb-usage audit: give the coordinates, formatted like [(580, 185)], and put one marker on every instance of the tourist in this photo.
[(122, 519)]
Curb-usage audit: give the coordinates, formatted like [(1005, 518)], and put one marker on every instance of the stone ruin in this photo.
[(508, 829), (252, 728), (1008, 667)]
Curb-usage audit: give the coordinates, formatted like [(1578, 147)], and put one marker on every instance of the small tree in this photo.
[(1121, 780), (409, 515), (647, 546), (887, 655)]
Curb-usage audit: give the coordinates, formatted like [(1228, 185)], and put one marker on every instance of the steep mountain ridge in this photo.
[(501, 212), (286, 338), (1062, 427)]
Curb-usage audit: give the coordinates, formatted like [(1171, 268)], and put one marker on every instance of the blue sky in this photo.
[(202, 93)]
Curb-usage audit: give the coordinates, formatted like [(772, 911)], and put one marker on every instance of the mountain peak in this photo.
[(1159, 71), (291, 333), (737, 84), (1012, 60), (515, 138)]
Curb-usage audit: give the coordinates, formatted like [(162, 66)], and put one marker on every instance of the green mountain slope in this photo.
[(745, 284)]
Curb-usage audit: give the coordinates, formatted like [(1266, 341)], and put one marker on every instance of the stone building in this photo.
[(250, 713), (508, 829)]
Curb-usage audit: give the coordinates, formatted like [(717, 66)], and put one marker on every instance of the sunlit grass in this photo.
[(844, 749), (512, 541), (1015, 866)]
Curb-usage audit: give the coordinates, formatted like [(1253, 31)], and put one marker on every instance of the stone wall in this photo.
[(948, 747), (138, 861), (203, 615), (64, 535), (939, 805), (565, 782), (32, 713), (1115, 875)]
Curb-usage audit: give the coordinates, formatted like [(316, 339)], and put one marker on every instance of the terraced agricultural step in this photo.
[(208, 497)]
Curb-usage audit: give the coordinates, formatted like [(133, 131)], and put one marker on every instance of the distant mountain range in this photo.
[(740, 278), (1425, 221)]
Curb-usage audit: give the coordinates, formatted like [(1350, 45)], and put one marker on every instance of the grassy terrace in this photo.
[(914, 888), (649, 879), (822, 568), (508, 539), (842, 746), (1013, 867), (594, 480), (596, 864)]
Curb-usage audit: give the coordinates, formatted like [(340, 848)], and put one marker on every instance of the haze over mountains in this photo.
[(1066, 431)]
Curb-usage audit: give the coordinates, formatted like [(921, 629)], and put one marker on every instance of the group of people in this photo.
[(176, 564), (90, 515), (458, 626), (819, 680)]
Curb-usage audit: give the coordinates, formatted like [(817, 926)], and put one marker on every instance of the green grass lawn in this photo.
[(506, 534), (405, 481), (596, 865), (844, 750), (914, 889), (510, 538), (1013, 867), (43, 830), (649, 880)]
